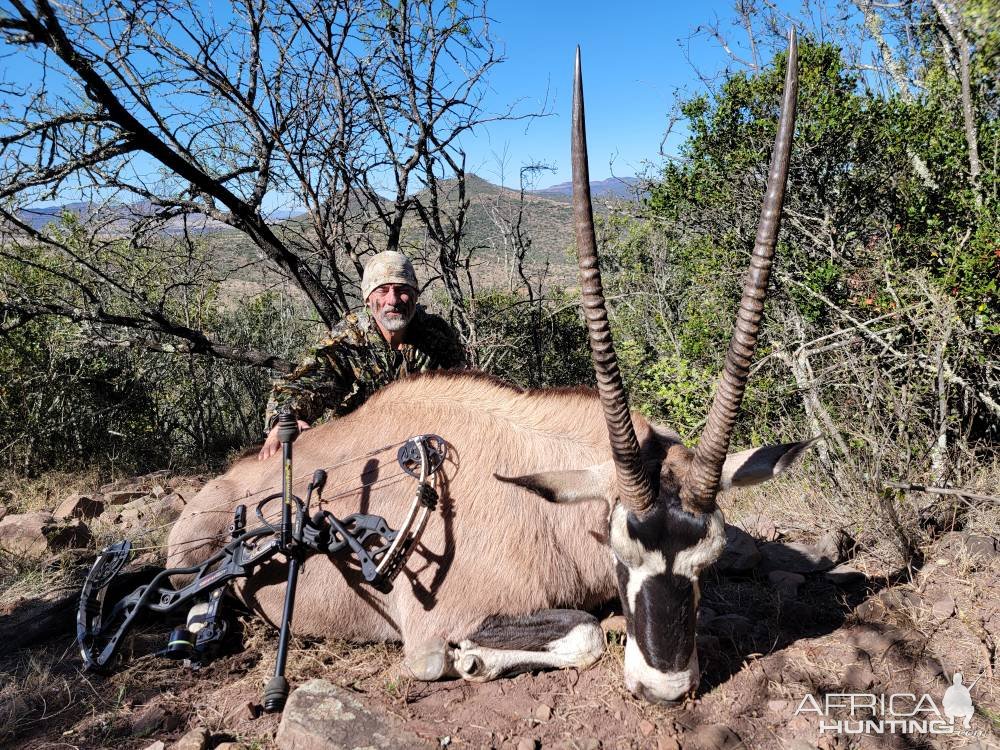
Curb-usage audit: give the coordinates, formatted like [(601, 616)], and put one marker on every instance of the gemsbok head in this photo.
[(665, 525)]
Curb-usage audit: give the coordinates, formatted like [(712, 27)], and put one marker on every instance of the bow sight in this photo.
[(368, 541)]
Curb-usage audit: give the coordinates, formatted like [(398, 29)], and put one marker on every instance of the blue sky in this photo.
[(639, 60), (635, 65)]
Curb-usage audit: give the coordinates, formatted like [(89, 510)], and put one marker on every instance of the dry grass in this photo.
[(22, 495), (44, 698)]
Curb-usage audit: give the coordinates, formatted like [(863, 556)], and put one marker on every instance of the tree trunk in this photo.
[(952, 21)]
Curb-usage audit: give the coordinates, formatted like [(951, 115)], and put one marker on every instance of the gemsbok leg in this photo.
[(548, 639)]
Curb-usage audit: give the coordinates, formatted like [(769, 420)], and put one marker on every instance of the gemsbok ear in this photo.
[(569, 486), (760, 464)]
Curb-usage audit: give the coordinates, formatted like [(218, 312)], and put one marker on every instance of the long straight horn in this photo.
[(634, 489), (701, 484)]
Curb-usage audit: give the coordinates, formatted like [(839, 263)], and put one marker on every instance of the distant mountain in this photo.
[(117, 218), (38, 216), (624, 188), (546, 222)]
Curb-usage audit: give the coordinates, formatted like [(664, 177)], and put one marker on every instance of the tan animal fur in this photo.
[(490, 547)]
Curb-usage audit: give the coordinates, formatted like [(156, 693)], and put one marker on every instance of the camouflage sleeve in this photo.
[(316, 385), (445, 344)]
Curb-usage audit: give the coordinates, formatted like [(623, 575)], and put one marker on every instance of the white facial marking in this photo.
[(641, 562), (690, 562), (664, 686)]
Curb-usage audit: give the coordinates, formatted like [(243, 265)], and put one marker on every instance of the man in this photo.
[(366, 351)]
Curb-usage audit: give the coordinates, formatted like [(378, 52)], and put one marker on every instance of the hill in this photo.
[(546, 223), (621, 188)]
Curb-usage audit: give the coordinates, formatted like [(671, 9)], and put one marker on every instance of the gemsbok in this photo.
[(532, 496)]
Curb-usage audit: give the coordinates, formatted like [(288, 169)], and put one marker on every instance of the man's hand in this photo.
[(272, 444)]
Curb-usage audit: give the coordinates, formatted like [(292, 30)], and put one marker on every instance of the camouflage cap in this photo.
[(390, 267)]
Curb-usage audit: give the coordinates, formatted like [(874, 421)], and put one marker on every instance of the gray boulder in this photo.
[(80, 506), (845, 575), (36, 534), (975, 548), (321, 716), (148, 511), (740, 554), (799, 557)]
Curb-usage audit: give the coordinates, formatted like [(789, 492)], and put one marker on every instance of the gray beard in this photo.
[(394, 325)]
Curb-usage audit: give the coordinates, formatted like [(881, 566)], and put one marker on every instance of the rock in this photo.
[(943, 608), (147, 511), (148, 720), (158, 745), (786, 583), (35, 534), (740, 554), (23, 534), (759, 527), (837, 545), (890, 600), (796, 557), (733, 626), (646, 727), (542, 712), (976, 548), (846, 575), (667, 743), (321, 715), (79, 506), (712, 737), (228, 746), (158, 491), (120, 497), (798, 744), (196, 739), (248, 711), (859, 677), (65, 534), (587, 743), (528, 743), (120, 484)]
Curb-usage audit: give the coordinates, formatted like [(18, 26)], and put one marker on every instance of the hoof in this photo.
[(428, 664)]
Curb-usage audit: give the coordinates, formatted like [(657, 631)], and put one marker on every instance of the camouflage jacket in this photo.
[(344, 369)]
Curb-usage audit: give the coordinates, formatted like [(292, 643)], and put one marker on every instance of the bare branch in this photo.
[(189, 341)]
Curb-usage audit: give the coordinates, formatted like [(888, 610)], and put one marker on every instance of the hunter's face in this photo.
[(392, 306)]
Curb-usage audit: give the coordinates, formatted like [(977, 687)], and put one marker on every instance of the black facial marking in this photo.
[(532, 632), (663, 622)]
